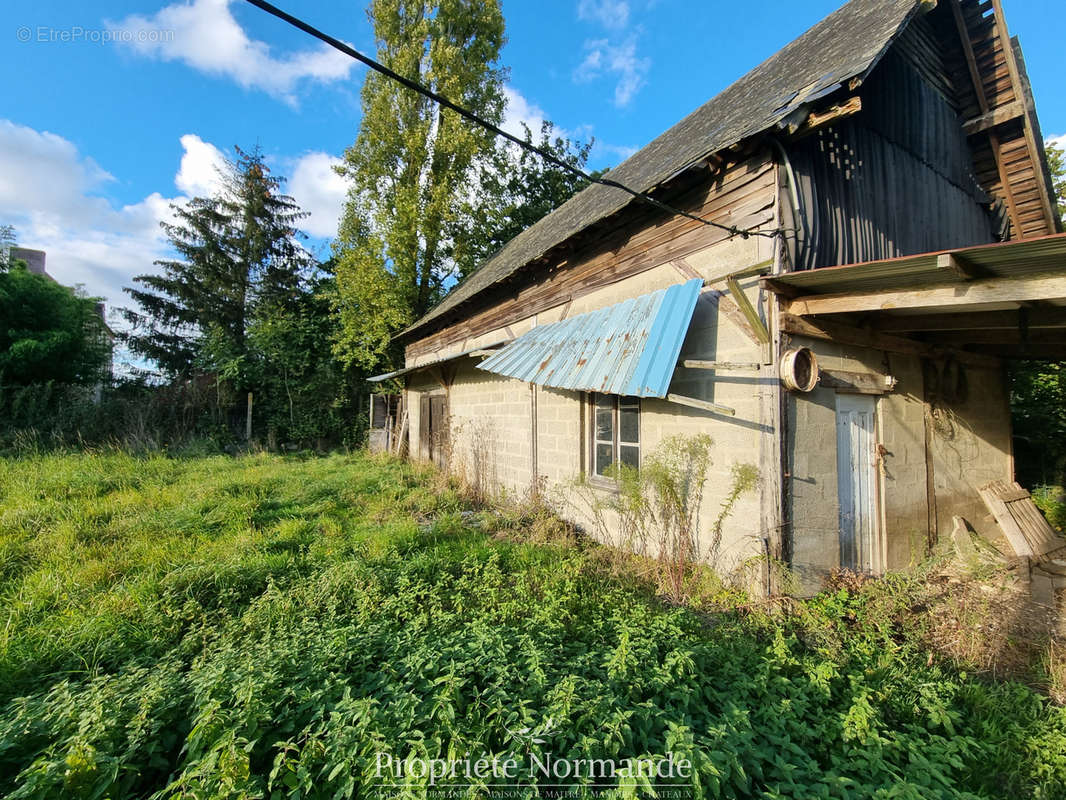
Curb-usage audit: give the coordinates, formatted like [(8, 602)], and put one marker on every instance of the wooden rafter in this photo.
[(982, 102), (844, 334), (1033, 319), (1019, 90)]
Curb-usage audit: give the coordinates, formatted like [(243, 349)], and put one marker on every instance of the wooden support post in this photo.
[(748, 310), (248, 420), (703, 405)]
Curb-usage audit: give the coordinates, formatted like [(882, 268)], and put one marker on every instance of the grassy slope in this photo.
[(222, 627)]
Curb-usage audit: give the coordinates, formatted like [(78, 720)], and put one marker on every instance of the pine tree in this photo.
[(239, 257)]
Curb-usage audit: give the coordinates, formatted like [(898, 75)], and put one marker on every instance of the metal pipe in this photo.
[(809, 226)]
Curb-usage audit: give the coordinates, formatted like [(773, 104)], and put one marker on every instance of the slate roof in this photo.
[(847, 43)]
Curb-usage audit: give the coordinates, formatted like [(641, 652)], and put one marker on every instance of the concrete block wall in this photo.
[(480, 402), (970, 446), (971, 441)]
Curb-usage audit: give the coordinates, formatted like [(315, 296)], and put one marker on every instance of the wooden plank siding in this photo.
[(742, 194), (1007, 153)]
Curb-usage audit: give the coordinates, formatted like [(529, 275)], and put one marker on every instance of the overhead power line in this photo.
[(466, 114)]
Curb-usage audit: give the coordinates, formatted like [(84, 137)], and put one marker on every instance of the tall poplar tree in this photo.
[(413, 166)]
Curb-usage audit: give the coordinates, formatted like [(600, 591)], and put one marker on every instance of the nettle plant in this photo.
[(656, 510)]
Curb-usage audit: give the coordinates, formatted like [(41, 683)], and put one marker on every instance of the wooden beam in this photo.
[(685, 268), (997, 116), (1030, 352), (955, 266), (748, 310), (716, 365), (1047, 286), (819, 119), (860, 337), (856, 382), (1042, 336), (703, 405), (980, 320), (747, 272), (780, 288)]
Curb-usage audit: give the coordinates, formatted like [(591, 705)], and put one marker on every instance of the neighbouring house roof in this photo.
[(630, 348), (846, 44)]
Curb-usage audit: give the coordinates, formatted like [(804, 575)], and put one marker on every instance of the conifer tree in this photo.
[(238, 258)]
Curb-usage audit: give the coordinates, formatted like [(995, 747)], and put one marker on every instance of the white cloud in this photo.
[(201, 165), (602, 58), (205, 35), (317, 188), (609, 13), (1058, 141), (519, 111), (49, 192)]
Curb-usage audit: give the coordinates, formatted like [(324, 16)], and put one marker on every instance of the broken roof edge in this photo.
[(455, 303), (435, 362)]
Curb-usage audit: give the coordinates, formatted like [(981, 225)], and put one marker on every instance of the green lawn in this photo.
[(266, 626)]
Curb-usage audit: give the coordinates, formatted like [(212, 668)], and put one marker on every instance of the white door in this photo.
[(858, 487)]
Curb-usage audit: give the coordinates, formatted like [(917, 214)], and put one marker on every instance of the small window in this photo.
[(615, 432)]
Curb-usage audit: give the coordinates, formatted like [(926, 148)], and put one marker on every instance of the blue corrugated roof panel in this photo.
[(630, 348)]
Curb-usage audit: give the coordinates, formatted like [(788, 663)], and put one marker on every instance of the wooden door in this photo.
[(858, 487), (433, 428)]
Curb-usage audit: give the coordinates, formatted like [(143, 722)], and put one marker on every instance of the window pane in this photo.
[(630, 456), (604, 457), (604, 418), (629, 423)]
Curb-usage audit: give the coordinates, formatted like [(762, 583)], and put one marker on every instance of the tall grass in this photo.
[(264, 626)]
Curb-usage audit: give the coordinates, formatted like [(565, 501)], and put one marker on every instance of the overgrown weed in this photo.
[(266, 625)]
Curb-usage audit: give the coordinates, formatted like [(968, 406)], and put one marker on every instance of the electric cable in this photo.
[(470, 116)]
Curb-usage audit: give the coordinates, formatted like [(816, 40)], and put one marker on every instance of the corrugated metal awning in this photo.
[(630, 348)]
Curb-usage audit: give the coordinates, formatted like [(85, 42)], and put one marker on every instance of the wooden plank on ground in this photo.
[(1005, 520), (1020, 520)]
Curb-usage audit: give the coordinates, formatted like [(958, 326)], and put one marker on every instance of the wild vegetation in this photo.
[(265, 625)]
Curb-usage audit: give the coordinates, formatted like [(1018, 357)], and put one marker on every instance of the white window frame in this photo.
[(616, 404)]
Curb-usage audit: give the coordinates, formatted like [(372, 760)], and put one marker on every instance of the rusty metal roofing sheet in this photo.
[(1004, 260), (630, 348)]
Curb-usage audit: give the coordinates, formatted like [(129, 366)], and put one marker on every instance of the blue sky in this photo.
[(98, 137)]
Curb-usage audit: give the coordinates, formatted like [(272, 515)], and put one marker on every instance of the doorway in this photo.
[(433, 428), (858, 484)]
